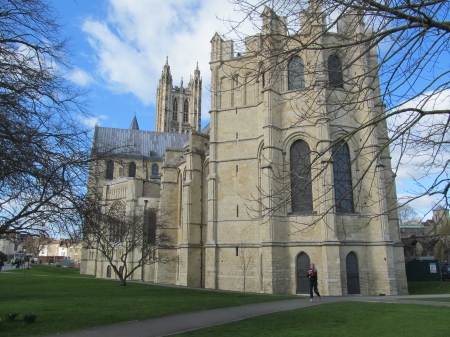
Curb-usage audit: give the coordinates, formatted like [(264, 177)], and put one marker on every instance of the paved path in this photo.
[(168, 325)]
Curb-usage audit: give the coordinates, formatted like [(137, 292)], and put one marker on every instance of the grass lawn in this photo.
[(443, 299), (341, 319), (64, 300), (428, 288)]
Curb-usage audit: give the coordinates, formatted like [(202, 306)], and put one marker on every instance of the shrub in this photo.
[(29, 318), (11, 317)]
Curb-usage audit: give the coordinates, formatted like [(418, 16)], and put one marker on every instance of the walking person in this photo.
[(312, 275)]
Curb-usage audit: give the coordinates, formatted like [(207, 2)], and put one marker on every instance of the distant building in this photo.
[(430, 238), (61, 249)]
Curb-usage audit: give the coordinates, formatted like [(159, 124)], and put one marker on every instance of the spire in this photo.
[(196, 72), (134, 124), (182, 82), (167, 61)]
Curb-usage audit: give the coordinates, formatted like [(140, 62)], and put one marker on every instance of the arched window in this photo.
[(151, 228), (296, 76), (132, 170), (186, 111), (117, 222), (301, 189), (342, 178), (351, 263), (303, 264), (175, 110), (109, 170), (155, 170), (335, 72), (108, 272)]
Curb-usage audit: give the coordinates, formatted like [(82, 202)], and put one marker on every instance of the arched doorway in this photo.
[(352, 274), (108, 272), (303, 263)]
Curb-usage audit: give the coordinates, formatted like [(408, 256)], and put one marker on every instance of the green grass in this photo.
[(443, 299), (428, 288), (63, 300), (341, 319)]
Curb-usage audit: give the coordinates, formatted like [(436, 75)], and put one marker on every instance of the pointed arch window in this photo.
[(186, 111), (343, 193), (117, 223), (151, 228), (175, 110), (132, 170), (335, 78), (296, 73), (155, 170), (109, 170), (300, 171)]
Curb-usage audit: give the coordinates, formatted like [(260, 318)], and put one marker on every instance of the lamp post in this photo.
[(23, 261)]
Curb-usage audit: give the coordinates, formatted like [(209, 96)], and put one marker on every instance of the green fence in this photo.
[(423, 270)]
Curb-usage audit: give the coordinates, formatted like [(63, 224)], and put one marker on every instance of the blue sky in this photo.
[(119, 48)]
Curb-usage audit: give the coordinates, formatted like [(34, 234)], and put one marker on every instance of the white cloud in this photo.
[(419, 156), (132, 43), (91, 122), (422, 205), (80, 77)]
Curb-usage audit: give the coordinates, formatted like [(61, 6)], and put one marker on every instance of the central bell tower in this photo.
[(178, 109)]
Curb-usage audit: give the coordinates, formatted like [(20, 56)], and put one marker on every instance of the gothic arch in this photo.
[(175, 109), (292, 138), (335, 71), (132, 170), (151, 224), (116, 217), (296, 73), (302, 264), (352, 268), (109, 170), (155, 170), (300, 177), (186, 111), (342, 174)]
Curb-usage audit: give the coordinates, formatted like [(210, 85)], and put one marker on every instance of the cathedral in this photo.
[(265, 189)]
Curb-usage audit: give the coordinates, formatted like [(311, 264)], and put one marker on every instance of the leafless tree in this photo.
[(402, 43), (408, 216), (44, 149), (127, 241), (34, 245), (246, 258)]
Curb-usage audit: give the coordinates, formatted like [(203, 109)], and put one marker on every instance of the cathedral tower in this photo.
[(178, 109)]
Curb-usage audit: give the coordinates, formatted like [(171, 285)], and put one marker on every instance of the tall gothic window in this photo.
[(132, 170), (109, 170), (155, 170), (301, 189), (117, 222), (151, 227), (186, 111), (296, 76), (343, 193), (335, 72), (175, 110)]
